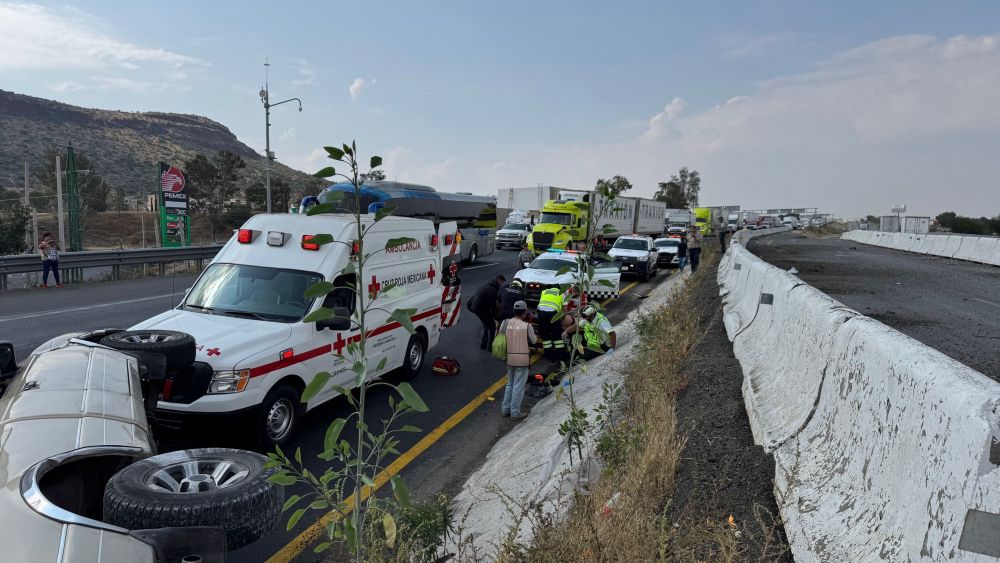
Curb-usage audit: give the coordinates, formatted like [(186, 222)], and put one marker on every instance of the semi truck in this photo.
[(566, 221), (527, 200)]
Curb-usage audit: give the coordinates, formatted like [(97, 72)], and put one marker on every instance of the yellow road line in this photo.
[(313, 532)]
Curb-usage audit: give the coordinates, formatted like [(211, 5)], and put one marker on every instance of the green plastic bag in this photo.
[(500, 346)]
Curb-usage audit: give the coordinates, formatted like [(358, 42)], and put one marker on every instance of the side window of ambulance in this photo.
[(343, 293)]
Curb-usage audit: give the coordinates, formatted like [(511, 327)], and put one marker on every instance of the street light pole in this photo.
[(265, 98)]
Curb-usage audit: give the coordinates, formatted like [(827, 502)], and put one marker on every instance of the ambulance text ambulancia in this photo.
[(246, 310)]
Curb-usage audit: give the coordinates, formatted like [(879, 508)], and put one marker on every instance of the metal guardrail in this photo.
[(27, 263)]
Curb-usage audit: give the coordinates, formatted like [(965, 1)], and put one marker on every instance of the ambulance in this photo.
[(254, 353)]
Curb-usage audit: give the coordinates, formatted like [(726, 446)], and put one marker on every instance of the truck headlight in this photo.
[(232, 381), (643, 258)]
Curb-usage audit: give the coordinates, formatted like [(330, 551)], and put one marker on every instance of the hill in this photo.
[(122, 146)]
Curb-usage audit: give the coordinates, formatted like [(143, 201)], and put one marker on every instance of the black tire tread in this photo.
[(246, 516), (179, 353)]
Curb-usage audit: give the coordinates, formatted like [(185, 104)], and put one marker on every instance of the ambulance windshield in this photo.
[(255, 292)]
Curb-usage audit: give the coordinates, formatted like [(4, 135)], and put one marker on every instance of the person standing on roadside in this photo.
[(524, 257), (682, 253), (49, 251), (550, 306), (520, 338), (694, 240), (723, 229), (484, 306)]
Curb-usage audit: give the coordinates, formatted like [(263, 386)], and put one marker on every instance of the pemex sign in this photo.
[(173, 188)]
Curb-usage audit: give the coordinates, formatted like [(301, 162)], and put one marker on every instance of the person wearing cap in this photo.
[(509, 294), (520, 339), (598, 335)]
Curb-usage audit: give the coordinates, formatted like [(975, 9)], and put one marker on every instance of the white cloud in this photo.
[(309, 162), (287, 134), (911, 119), (306, 73), (357, 87), (66, 86), (661, 122), (747, 46), (33, 37)]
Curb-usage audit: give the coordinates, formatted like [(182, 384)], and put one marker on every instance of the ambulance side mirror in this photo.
[(341, 320)]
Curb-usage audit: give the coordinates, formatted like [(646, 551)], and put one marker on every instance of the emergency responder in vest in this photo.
[(550, 307), (598, 335)]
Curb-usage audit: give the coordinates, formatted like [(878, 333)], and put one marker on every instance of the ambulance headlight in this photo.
[(232, 381)]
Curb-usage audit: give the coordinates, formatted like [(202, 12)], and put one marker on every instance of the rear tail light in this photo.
[(355, 248), (306, 245), (434, 240), (245, 236), (449, 239)]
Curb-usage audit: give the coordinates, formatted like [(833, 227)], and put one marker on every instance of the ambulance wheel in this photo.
[(416, 349), (278, 416)]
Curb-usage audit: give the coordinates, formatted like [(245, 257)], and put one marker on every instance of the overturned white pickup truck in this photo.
[(81, 481)]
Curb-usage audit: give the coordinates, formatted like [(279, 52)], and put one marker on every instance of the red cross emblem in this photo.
[(339, 345), (431, 273), (374, 288), (213, 352), (453, 269)]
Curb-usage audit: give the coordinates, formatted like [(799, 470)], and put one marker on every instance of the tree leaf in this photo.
[(333, 434), (296, 516), (581, 205), (334, 153), (321, 239), (319, 505), (605, 283), (381, 365), (411, 398), (389, 525), (298, 456), (375, 162), (321, 314), (394, 242), (282, 479), (315, 386), (402, 316), (359, 370), (318, 289), (322, 547), (290, 502), (384, 212), (410, 428), (328, 207), (325, 172), (342, 390), (368, 481), (399, 491), (564, 270)]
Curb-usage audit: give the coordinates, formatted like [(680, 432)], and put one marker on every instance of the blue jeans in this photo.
[(681, 262), (514, 392), (695, 255), (50, 266)]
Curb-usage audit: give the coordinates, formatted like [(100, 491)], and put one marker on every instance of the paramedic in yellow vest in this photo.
[(550, 306), (598, 335), (520, 339)]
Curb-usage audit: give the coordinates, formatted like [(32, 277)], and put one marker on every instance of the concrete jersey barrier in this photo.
[(985, 250), (884, 448)]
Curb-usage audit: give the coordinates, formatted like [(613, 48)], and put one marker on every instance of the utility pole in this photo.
[(59, 202), (265, 98)]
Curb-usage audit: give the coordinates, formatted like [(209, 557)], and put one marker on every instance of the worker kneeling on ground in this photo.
[(598, 334)]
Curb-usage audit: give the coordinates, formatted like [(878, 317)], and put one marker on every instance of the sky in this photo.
[(849, 106)]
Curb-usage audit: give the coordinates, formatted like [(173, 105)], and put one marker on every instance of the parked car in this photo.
[(544, 272), (666, 251), (636, 254), (513, 235), (82, 480)]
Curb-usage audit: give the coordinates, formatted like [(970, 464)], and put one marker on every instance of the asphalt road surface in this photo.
[(464, 414), (950, 305)]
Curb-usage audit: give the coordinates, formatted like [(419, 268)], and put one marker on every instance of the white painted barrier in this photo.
[(885, 449), (784, 354), (895, 456), (985, 250)]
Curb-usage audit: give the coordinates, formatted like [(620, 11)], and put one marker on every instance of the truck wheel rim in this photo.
[(197, 476), (146, 337), (416, 354), (279, 419)]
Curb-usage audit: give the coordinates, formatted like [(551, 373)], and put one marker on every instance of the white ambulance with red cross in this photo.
[(255, 355)]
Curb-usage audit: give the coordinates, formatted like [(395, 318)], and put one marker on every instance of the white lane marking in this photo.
[(483, 265), (985, 301), (85, 308)]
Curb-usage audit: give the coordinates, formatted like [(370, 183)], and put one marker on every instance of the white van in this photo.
[(255, 355)]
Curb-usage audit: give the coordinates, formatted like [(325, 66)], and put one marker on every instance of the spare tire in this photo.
[(176, 347), (215, 487)]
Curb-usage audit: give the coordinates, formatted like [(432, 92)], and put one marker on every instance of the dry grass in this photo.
[(636, 527), (829, 230)]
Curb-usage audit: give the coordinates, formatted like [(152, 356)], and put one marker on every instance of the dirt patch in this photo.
[(724, 506)]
